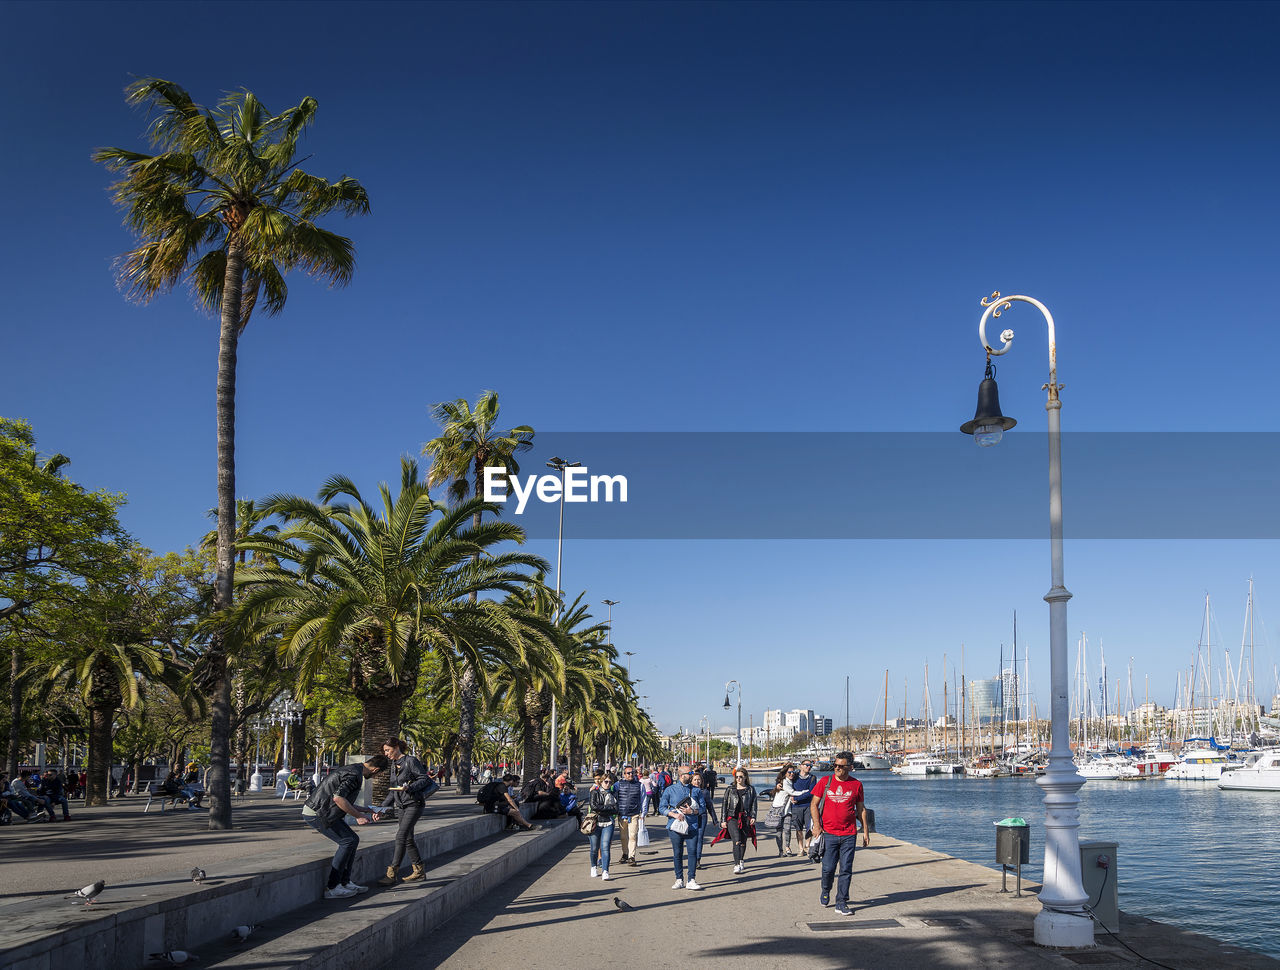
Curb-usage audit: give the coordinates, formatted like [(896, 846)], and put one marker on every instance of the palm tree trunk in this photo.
[(381, 721), (220, 722), (15, 707), (531, 721), (467, 690), (575, 755), (99, 760)]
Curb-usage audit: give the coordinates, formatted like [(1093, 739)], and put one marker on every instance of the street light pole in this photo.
[(727, 690), (560, 465), (1062, 921)]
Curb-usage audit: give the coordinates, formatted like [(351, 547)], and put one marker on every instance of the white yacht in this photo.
[(1263, 774), (928, 764), (1098, 769), (1200, 764), (869, 761)]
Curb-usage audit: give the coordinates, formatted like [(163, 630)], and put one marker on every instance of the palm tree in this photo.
[(468, 444), (109, 665), (381, 588), (223, 205)]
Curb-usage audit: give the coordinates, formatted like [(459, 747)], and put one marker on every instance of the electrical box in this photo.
[(1100, 876)]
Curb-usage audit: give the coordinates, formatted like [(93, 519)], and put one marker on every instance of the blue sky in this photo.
[(713, 217)]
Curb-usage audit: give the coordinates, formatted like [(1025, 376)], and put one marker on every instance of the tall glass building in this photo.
[(985, 698)]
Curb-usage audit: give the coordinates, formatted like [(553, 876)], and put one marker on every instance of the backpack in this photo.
[(489, 795)]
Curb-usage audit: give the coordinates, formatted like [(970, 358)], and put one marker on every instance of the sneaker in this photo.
[(604, 876), (843, 910), (678, 884), (737, 868), (338, 892), (826, 897), (594, 872), (355, 887), (691, 885)]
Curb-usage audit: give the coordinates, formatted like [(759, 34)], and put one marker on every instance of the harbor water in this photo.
[(1189, 854)]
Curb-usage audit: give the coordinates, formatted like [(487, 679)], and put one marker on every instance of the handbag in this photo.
[(774, 819), (588, 824), (642, 834), (679, 825)]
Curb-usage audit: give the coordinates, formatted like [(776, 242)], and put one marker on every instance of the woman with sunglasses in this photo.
[(739, 811)]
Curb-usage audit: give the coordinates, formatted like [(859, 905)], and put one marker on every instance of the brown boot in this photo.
[(391, 878), (418, 873)]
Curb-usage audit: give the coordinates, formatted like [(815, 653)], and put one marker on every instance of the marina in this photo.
[(1193, 855)]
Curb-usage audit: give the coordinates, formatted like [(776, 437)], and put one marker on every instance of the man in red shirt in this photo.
[(837, 806)]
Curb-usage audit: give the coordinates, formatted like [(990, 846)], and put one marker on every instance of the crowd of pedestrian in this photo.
[(821, 817)]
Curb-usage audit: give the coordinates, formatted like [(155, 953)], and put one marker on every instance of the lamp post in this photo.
[(1062, 921), (730, 687), (255, 780), (559, 464), (286, 711)]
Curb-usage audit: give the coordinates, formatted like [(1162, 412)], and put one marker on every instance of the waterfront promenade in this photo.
[(914, 907)]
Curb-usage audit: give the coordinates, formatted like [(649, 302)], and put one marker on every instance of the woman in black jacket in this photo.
[(411, 785), (739, 813)]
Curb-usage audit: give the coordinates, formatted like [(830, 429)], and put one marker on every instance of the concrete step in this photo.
[(131, 921), (366, 931)]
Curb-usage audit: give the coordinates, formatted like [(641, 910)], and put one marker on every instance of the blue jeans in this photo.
[(838, 848), (601, 840), (683, 846), (347, 840), (60, 800)]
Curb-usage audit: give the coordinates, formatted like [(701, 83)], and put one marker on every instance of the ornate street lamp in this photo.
[(729, 688), (287, 712), (1062, 921)]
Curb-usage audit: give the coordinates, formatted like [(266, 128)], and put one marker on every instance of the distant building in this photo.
[(821, 727), (985, 698), (800, 721)]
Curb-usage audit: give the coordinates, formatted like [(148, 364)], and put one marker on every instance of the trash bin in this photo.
[(1013, 849), (1013, 842)]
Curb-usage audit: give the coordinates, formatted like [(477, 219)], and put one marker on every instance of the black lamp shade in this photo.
[(988, 412)]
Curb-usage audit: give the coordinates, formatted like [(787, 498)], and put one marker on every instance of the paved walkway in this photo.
[(120, 844), (915, 909)]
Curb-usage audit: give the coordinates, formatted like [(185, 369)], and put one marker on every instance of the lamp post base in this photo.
[(1054, 928)]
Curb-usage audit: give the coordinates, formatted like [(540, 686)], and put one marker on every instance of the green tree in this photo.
[(469, 443), (129, 632), (54, 536), (223, 205), (379, 588)]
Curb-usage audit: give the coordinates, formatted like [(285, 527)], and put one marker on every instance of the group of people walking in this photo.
[(822, 815)]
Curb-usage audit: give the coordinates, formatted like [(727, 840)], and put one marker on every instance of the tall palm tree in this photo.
[(468, 443), (223, 205), (380, 588)]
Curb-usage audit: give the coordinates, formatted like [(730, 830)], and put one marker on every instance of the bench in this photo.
[(153, 794)]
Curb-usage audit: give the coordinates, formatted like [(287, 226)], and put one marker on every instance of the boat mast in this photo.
[(884, 735), (1003, 702)]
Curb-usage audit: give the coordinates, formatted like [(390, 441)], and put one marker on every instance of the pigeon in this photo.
[(241, 932), (175, 958), (197, 874), (88, 892), (625, 907)]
